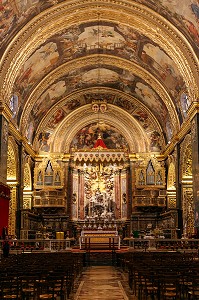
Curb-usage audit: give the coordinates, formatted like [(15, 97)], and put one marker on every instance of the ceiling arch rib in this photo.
[(167, 37), (128, 127), (92, 62)]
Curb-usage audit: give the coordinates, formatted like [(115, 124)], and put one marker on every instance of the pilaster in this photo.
[(195, 167)]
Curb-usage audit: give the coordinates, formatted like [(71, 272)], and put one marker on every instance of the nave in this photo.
[(103, 282)]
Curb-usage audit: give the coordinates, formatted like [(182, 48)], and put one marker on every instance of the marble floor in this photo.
[(103, 283)]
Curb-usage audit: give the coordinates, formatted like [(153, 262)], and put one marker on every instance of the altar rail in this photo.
[(164, 244), (51, 245)]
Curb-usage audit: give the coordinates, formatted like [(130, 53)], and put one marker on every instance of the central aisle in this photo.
[(101, 283)]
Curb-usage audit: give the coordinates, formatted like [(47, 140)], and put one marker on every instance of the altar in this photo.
[(99, 239)]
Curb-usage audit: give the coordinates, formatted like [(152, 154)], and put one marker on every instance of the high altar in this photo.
[(98, 190), (98, 239)]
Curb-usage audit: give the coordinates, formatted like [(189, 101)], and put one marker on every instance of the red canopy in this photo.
[(100, 143)]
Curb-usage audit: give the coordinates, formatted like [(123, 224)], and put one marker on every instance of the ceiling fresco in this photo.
[(136, 110), (82, 79), (66, 70), (87, 137), (14, 14), (112, 39)]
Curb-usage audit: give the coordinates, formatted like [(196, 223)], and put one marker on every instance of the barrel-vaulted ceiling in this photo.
[(62, 62)]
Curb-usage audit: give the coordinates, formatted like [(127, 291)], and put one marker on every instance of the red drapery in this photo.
[(4, 206), (100, 144)]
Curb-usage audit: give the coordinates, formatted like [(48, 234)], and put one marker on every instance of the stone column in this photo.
[(195, 169)]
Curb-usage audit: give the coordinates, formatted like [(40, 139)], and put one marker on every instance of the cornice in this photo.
[(19, 137)]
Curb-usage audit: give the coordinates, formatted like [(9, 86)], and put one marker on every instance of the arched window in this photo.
[(14, 105)]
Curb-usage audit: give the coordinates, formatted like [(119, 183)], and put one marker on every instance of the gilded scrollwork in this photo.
[(150, 166), (193, 131), (12, 211), (12, 163), (186, 158), (188, 211), (12, 178)]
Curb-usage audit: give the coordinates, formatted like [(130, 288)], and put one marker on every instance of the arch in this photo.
[(135, 135)]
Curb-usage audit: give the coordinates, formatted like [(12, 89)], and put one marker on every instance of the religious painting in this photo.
[(164, 66), (155, 141), (101, 37), (48, 98), (14, 13), (47, 56), (44, 142), (169, 130), (151, 100), (187, 12), (79, 40), (99, 76), (99, 192), (30, 130), (87, 137), (184, 16), (124, 103), (56, 118)]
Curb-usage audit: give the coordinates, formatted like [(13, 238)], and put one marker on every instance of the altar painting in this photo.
[(87, 137), (99, 192)]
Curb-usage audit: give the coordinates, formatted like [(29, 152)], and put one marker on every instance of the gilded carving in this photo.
[(12, 211), (27, 191), (48, 173), (171, 181), (193, 131), (188, 212), (11, 161), (150, 166), (27, 177), (186, 158), (12, 176)]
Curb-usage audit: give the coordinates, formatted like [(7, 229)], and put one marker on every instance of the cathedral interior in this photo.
[(99, 117)]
